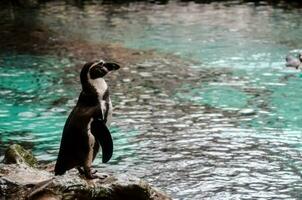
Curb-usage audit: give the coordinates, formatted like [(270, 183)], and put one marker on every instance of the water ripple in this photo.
[(226, 128)]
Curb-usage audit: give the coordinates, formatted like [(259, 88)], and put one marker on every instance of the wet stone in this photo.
[(19, 179)]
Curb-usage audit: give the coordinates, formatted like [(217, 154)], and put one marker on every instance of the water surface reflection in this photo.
[(210, 113)]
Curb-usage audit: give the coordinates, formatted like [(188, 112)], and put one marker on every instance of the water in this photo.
[(212, 114)]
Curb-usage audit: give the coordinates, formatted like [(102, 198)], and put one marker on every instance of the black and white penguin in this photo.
[(294, 62), (86, 128)]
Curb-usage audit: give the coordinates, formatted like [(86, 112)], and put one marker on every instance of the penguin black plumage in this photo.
[(86, 128)]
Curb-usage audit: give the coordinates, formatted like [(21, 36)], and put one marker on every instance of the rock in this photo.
[(25, 3), (22, 181), (19, 181), (15, 154)]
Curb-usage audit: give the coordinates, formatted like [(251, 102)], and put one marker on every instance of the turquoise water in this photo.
[(223, 124), (29, 88)]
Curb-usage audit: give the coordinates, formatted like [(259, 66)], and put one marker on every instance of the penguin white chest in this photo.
[(101, 87), (109, 116), (91, 143)]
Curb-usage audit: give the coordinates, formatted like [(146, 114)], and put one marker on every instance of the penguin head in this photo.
[(96, 70), (99, 69)]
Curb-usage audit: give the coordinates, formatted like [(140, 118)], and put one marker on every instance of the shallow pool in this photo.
[(223, 124)]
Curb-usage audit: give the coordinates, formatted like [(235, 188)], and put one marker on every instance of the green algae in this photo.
[(16, 154)]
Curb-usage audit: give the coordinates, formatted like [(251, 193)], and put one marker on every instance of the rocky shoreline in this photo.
[(21, 177)]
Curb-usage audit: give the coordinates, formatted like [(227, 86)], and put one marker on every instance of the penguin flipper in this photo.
[(102, 134)]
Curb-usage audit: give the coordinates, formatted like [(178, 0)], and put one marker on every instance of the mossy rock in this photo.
[(16, 154)]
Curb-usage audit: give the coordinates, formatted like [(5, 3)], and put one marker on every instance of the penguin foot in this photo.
[(102, 176), (82, 172), (90, 174)]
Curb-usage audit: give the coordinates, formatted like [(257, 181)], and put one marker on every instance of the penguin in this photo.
[(294, 62), (86, 128)]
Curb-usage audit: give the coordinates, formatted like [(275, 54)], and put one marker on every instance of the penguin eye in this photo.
[(97, 72)]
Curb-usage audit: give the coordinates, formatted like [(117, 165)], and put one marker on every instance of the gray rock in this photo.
[(19, 181), (22, 181)]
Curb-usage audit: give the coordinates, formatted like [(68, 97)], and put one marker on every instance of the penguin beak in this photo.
[(111, 66)]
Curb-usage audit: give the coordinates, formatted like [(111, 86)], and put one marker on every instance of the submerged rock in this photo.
[(21, 181)]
